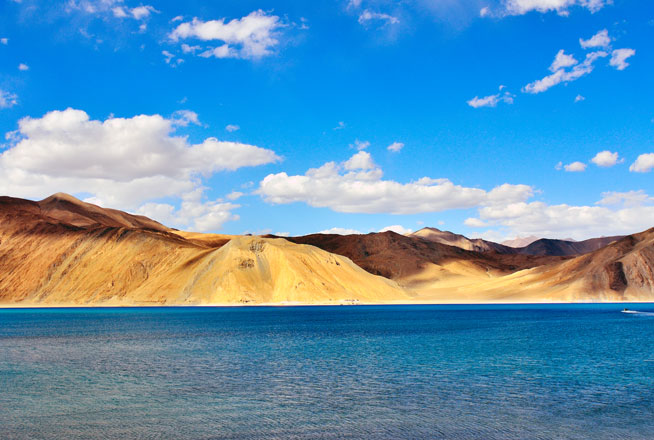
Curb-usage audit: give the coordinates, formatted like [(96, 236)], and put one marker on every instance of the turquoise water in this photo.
[(383, 372)]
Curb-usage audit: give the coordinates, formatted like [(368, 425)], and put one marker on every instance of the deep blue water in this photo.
[(383, 372)]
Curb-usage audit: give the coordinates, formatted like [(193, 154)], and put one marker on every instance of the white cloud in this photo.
[(360, 145), (631, 212), (141, 12), (619, 56), (168, 56), (563, 76), (398, 229), (340, 231), (629, 198), (363, 190), (600, 39), (4, 41), (360, 161), (644, 163), (253, 36), (232, 128), (235, 195), (491, 100), (119, 12), (190, 49), (113, 7), (562, 60), (395, 147), (23, 67), (579, 98), (137, 13), (193, 214), (575, 167), (340, 126), (354, 4), (483, 12), (122, 162), (182, 118), (7, 99), (520, 7), (223, 51), (475, 223), (605, 159), (368, 16)]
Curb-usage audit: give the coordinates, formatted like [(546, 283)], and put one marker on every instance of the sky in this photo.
[(493, 119)]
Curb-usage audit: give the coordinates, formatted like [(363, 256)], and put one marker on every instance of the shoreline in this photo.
[(291, 305)]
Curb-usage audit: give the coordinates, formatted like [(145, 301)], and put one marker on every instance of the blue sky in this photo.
[(506, 118)]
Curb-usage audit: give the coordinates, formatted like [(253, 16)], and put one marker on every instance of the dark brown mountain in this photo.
[(546, 246), (397, 256), (461, 241)]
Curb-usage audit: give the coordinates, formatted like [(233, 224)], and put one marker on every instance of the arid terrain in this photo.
[(64, 252)]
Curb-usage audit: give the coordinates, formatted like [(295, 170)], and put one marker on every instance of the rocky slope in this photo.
[(45, 260), (621, 271), (460, 241), (61, 251), (546, 246)]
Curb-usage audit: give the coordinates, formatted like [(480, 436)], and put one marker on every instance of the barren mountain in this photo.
[(546, 246), (61, 251), (68, 209), (45, 260), (460, 241), (416, 263), (621, 271), (519, 242)]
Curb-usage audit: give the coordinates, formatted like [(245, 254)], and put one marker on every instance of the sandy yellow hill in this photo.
[(64, 252), (46, 261)]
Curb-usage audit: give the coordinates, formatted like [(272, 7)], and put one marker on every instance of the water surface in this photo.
[(382, 372)]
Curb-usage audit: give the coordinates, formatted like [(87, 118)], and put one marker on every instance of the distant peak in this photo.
[(61, 196)]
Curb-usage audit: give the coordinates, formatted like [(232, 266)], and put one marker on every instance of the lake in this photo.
[(577, 371)]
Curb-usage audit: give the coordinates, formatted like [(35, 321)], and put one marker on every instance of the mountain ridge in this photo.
[(64, 252)]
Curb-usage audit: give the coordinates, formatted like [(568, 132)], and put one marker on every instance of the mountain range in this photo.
[(61, 251)]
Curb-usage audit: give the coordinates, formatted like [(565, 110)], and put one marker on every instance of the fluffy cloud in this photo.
[(137, 13), (644, 163), (600, 39), (368, 16), (7, 99), (629, 198), (194, 213), (232, 128), (253, 36), (491, 100), (122, 162), (619, 56), (575, 167), (579, 98), (360, 145), (398, 229), (117, 8), (23, 67), (520, 7), (605, 159), (562, 75), (344, 188), (562, 60), (395, 147), (182, 118), (4, 41), (360, 161), (614, 214), (340, 231)]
